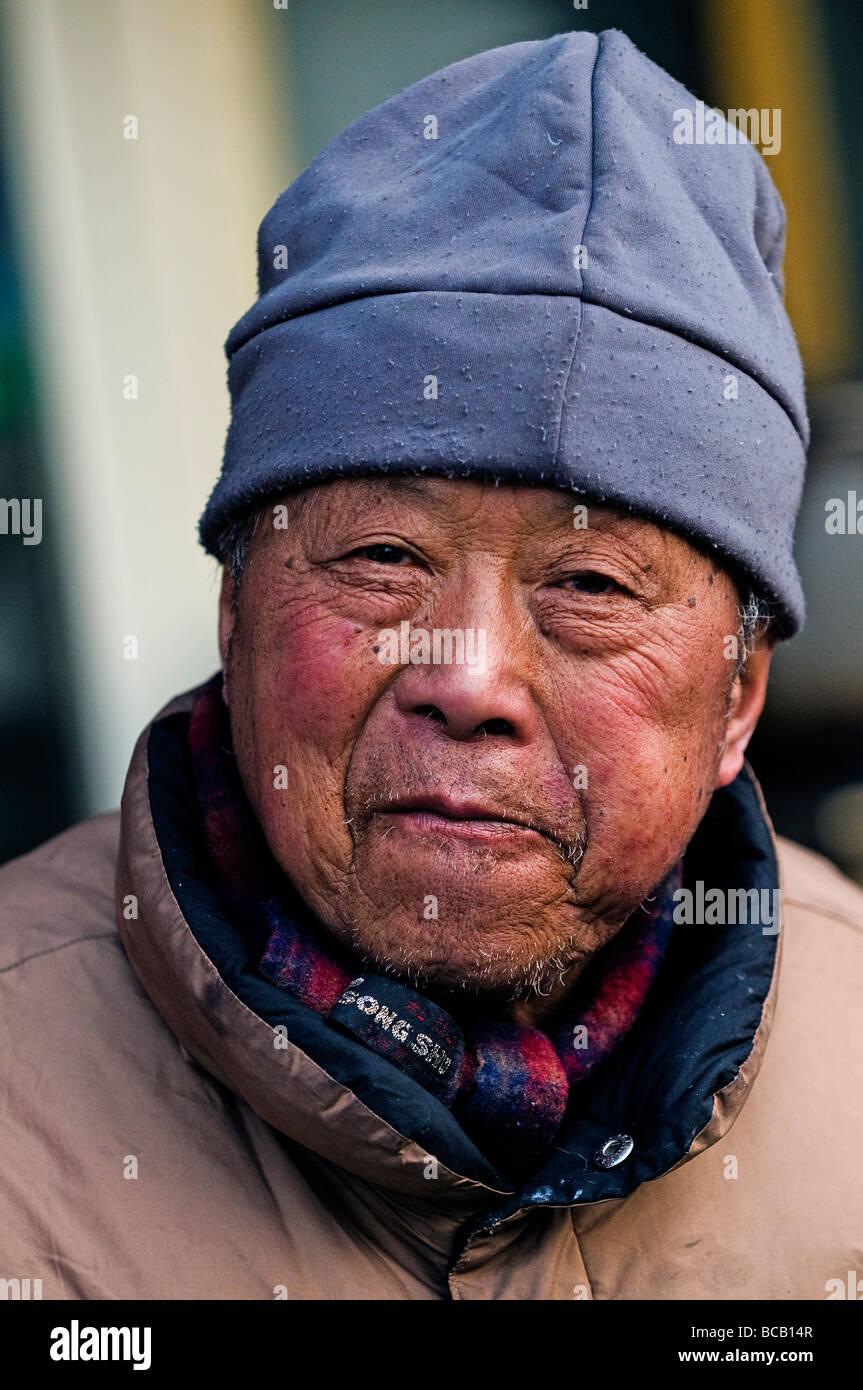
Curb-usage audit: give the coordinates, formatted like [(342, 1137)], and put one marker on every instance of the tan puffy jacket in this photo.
[(163, 1139)]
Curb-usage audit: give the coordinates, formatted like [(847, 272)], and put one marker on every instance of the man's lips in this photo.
[(442, 816)]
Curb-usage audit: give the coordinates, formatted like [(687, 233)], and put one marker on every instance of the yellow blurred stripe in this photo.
[(770, 53)]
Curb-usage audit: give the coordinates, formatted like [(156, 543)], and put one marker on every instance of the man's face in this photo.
[(490, 820)]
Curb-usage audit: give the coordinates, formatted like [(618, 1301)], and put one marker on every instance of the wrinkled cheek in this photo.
[(636, 799), (315, 689), (302, 697)]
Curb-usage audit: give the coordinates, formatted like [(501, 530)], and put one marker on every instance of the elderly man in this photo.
[(452, 954)]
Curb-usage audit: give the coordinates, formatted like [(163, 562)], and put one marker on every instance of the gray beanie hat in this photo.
[(513, 270)]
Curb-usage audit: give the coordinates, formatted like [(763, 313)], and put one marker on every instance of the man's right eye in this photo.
[(383, 554)]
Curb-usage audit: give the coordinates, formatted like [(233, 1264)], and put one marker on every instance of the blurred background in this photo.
[(141, 142)]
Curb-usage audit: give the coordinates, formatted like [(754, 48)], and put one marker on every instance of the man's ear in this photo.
[(746, 703), (227, 622)]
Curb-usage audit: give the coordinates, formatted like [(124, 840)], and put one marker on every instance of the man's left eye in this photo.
[(592, 582)]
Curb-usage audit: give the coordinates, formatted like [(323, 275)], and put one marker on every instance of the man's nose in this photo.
[(485, 699)]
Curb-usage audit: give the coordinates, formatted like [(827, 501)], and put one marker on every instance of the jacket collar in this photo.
[(674, 1086)]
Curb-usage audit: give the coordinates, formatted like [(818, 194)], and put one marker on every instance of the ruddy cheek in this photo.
[(619, 764), (609, 750), (325, 682), (313, 690)]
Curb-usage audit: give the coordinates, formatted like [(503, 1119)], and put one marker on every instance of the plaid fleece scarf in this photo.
[(508, 1085)]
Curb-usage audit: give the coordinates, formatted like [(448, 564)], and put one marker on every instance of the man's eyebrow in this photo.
[(403, 482)]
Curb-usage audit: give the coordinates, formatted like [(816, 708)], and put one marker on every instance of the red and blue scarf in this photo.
[(508, 1085)]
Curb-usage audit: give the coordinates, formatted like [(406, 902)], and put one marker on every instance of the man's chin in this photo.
[(442, 888), (491, 925)]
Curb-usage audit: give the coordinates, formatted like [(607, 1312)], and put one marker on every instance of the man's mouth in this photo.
[(443, 817)]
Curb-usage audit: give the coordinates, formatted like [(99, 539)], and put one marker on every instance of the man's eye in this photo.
[(592, 582), (384, 554)]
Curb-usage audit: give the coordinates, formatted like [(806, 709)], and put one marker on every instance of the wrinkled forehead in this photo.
[(474, 507)]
